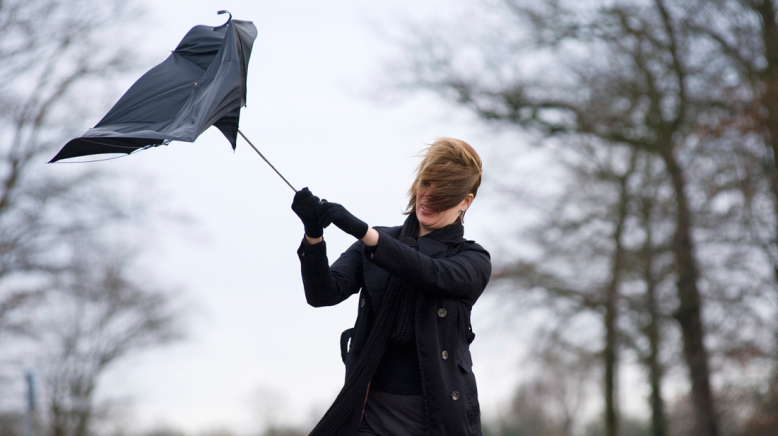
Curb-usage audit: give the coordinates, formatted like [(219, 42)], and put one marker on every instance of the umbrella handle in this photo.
[(268, 162)]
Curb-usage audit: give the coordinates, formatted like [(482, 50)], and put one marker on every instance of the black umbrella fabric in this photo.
[(202, 83)]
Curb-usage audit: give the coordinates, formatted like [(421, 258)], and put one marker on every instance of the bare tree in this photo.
[(49, 51), (599, 256), (67, 283), (746, 41), (645, 77), (99, 314)]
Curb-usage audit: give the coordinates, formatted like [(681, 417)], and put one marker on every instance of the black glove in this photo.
[(305, 205), (334, 213)]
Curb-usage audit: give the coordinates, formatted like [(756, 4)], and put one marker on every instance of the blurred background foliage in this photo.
[(71, 303), (660, 253), (655, 254)]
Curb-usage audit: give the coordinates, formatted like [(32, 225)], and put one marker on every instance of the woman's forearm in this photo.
[(371, 237), (313, 241)]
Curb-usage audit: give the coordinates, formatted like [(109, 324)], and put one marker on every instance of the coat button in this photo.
[(362, 303), (444, 355), (442, 312), (455, 395)]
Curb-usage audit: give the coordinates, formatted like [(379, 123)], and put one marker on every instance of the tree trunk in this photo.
[(611, 421), (652, 332), (769, 80), (689, 313), (769, 98), (610, 352)]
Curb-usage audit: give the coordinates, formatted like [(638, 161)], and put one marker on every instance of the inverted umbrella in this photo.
[(202, 83)]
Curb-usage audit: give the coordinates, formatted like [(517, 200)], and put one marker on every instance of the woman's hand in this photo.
[(306, 205), (334, 213)]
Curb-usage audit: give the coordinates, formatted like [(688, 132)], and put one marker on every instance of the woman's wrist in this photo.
[(313, 241), (371, 237)]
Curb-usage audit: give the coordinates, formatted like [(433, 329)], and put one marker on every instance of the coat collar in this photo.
[(430, 247)]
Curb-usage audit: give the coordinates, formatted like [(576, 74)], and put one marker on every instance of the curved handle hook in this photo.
[(228, 20)]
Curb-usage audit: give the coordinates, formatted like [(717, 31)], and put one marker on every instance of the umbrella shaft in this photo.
[(268, 162)]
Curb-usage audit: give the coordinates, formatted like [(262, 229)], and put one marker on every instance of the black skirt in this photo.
[(392, 415)]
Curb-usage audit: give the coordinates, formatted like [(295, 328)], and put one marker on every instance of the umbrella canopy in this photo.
[(202, 83)]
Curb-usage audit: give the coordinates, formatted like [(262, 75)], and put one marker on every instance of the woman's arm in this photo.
[(327, 285), (313, 241), (463, 276), (371, 237), (324, 285)]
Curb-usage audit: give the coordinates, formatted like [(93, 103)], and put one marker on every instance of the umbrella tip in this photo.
[(228, 20)]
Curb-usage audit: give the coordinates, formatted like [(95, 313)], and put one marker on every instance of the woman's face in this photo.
[(430, 220)]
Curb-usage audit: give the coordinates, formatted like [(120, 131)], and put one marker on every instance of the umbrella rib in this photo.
[(268, 162)]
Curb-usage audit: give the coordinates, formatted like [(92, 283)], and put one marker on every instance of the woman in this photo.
[(408, 369)]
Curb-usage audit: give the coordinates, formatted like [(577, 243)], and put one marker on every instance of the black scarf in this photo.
[(394, 321)]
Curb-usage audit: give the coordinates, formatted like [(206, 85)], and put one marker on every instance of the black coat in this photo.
[(450, 279)]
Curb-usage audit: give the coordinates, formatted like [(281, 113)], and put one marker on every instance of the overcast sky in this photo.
[(312, 110)]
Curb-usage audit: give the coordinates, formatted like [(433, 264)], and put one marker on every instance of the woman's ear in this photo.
[(468, 201), (463, 206)]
